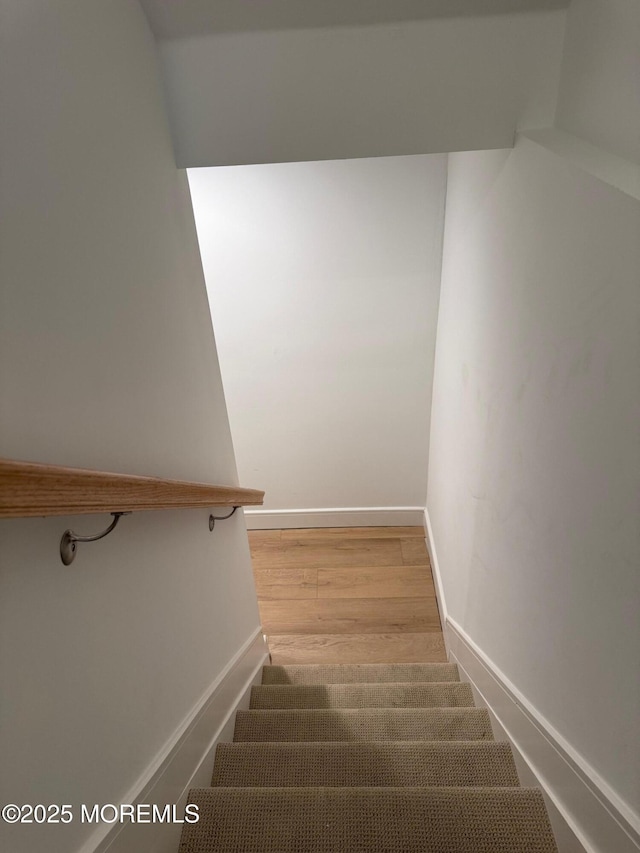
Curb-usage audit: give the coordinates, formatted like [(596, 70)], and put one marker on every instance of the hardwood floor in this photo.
[(347, 595)]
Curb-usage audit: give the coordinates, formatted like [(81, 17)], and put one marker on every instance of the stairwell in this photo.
[(365, 757)]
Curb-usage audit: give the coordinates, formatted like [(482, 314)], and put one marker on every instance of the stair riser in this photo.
[(418, 695), (366, 725), (364, 764), (359, 673)]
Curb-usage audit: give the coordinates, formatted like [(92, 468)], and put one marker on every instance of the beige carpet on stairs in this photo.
[(415, 695), (335, 759), (365, 764), (359, 673)]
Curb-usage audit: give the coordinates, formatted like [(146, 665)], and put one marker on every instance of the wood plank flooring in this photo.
[(347, 595)]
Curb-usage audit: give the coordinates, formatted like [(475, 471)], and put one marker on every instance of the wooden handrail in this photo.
[(29, 489)]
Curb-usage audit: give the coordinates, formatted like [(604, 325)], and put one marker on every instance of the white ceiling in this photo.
[(180, 18)]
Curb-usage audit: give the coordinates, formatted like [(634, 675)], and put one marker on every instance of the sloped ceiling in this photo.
[(180, 18)]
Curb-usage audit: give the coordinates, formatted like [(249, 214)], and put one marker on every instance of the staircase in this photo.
[(370, 757)]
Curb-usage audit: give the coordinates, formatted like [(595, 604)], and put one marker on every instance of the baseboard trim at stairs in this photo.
[(186, 760), (585, 813), (373, 516), (437, 577)]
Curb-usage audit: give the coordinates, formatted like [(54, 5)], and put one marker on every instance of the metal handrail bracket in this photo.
[(68, 543), (68, 546)]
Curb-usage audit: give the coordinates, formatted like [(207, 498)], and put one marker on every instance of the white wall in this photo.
[(323, 280), (533, 483), (533, 489), (195, 17), (599, 96), (107, 360), (330, 93)]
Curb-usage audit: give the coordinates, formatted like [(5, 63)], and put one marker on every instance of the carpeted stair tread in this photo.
[(358, 820), (388, 695), (364, 724), (362, 764), (366, 673)]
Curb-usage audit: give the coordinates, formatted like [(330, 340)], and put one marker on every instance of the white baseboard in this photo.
[(186, 761), (373, 516), (585, 813), (437, 578), (597, 819)]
